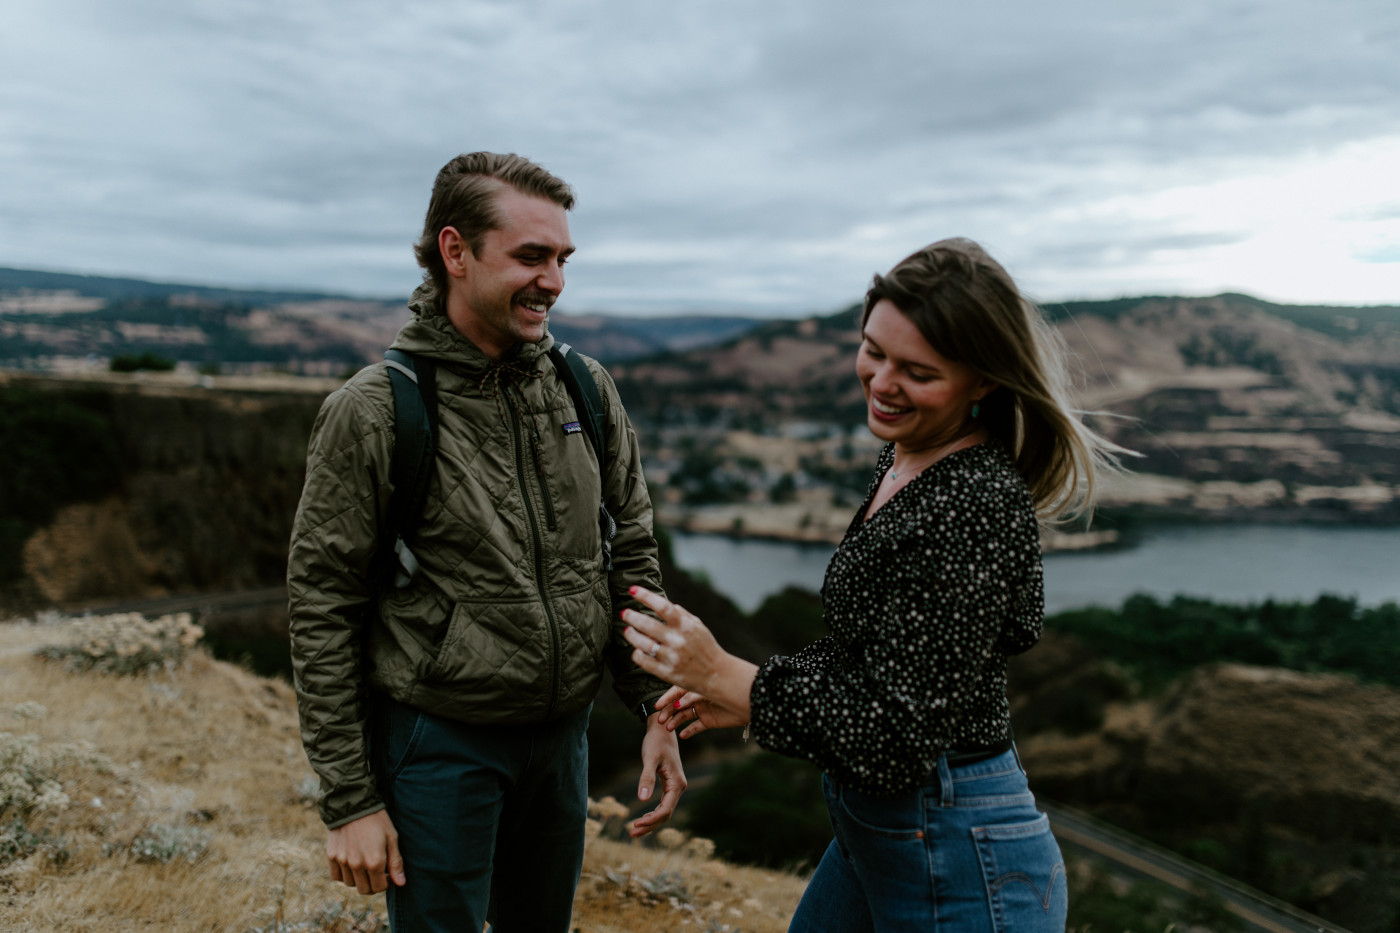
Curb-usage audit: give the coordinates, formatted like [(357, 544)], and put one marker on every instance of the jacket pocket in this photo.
[(585, 631), (602, 635), (492, 649), (448, 655), (576, 491)]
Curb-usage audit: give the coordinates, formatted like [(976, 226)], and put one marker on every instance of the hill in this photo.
[(1281, 779), (1240, 408)]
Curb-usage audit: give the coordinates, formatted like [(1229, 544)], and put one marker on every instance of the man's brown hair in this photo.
[(464, 197)]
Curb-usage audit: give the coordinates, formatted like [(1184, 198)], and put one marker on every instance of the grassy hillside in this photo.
[(179, 799), (145, 785)]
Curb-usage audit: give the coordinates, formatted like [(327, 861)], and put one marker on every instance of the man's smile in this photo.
[(537, 302)]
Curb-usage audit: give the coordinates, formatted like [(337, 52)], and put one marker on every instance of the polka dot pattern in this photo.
[(924, 602)]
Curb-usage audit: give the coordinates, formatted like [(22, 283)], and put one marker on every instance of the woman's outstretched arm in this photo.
[(713, 684)]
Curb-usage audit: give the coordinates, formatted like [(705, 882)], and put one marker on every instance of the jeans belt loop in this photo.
[(972, 756), (945, 781)]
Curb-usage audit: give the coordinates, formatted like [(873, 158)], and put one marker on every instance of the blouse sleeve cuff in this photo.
[(766, 723)]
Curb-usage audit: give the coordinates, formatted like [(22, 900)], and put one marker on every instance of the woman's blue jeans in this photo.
[(490, 819), (967, 851)]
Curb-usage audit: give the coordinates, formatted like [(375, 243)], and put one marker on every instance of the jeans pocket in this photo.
[(899, 818), (1024, 873), (401, 733)]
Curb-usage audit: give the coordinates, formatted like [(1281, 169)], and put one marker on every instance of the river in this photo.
[(1226, 563)]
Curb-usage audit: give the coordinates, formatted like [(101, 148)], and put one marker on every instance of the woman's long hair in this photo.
[(969, 310)]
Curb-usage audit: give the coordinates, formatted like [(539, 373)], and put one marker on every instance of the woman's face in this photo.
[(913, 395)]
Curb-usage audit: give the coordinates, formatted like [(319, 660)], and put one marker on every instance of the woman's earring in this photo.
[(975, 409)]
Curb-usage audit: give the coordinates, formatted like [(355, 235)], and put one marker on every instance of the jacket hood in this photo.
[(429, 333)]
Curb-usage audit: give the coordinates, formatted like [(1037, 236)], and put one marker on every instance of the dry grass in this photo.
[(201, 765), (628, 888)]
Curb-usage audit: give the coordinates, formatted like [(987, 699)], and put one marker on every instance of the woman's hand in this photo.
[(693, 714), (681, 651)]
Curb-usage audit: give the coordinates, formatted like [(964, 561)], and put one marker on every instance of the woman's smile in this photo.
[(886, 411), (915, 396)]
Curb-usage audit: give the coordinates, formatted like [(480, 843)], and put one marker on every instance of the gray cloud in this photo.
[(728, 155)]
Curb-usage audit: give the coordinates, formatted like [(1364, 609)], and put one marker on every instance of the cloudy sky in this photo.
[(760, 157)]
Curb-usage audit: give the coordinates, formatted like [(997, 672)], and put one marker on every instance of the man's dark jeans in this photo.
[(490, 819)]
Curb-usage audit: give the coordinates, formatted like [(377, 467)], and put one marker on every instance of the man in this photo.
[(446, 718)]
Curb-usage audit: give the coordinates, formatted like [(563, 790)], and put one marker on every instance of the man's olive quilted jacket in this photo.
[(512, 616)]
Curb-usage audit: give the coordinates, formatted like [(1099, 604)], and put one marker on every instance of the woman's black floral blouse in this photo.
[(925, 602)]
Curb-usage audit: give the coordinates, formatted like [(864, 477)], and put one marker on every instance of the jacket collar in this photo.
[(429, 333)]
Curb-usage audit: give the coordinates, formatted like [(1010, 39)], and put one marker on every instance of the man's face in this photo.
[(502, 297)]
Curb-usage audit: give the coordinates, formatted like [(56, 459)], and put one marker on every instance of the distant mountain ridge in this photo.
[(118, 288), (46, 315), (1332, 320)]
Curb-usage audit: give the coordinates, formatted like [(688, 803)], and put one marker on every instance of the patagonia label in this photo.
[(573, 427)]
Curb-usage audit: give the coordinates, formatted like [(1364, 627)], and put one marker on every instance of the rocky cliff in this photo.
[(200, 484)]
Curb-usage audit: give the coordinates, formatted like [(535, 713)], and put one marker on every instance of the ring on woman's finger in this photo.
[(655, 647)]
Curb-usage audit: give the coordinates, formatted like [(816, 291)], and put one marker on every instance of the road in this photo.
[(1139, 858)]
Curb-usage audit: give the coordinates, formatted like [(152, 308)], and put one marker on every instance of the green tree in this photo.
[(1158, 641), (132, 362)]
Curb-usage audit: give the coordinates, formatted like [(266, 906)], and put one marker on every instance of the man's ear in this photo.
[(453, 250)]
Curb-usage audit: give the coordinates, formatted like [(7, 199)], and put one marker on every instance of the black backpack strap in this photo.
[(588, 401), (415, 446), (588, 404)]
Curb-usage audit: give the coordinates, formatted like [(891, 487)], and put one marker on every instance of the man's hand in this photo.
[(362, 850), (661, 758)]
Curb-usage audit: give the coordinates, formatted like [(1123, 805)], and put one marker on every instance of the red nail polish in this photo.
[(678, 704), (631, 591)]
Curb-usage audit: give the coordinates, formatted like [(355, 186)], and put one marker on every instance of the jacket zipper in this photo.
[(539, 555)]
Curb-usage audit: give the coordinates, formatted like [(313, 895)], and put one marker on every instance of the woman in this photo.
[(936, 583)]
